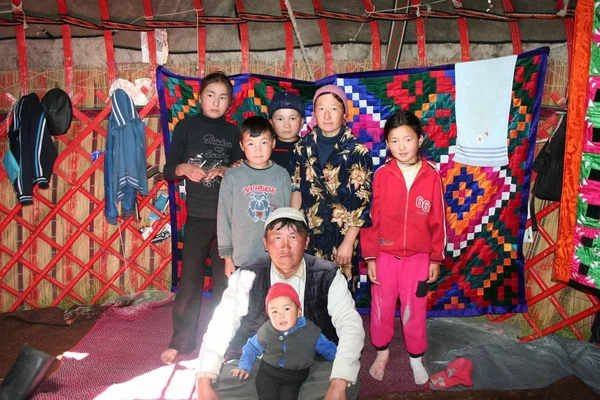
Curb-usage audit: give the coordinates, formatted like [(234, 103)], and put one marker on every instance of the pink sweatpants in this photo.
[(400, 278)]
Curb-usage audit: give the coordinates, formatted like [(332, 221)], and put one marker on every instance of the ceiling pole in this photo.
[(244, 37), (149, 15), (23, 66), (375, 36), (67, 48), (111, 65), (515, 32), (297, 32), (21, 48), (200, 39), (463, 32), (396, 38), (421, 45), (327, 49), (289, 43)]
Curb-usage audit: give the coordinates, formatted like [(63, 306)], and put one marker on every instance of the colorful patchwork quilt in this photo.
[(578, 254), (486, 206)]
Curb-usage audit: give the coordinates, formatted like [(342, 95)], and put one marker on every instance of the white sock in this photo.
[(419, 372)]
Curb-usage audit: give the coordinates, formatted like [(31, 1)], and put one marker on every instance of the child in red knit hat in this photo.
[(287, 342)]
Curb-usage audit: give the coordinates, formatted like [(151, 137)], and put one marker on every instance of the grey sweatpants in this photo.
[(229, 387)]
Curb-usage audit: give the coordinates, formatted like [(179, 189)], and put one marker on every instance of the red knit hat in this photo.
[(458, 372), (281, 289)]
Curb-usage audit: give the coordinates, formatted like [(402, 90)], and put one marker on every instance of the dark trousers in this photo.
[(274, 383), (199, 240)]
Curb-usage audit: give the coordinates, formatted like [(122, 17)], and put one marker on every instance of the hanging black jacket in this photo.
[(31, 146)]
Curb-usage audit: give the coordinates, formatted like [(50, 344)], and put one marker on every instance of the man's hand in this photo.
[(205, 390), (229, 267), (236, 164), (193, 172), (337, 390)]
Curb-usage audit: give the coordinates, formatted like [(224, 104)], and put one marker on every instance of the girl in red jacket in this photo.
[(405, 246)]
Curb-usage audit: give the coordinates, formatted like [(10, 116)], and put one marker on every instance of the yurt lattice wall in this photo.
[(60, 251)]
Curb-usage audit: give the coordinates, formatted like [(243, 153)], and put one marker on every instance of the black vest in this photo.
[(319, 275)]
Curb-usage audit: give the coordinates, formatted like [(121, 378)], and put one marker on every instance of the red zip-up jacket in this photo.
[(406, 222)]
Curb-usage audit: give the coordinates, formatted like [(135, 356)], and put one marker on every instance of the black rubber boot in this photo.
[(26, 373), (595, 337)]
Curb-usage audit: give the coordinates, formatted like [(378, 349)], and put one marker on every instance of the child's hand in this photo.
[(193, 172), (229, 267), (372, 272), (243, 374), (216, 171), (434, 272)]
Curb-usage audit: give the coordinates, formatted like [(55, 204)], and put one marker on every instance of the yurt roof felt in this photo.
[(347, 21)]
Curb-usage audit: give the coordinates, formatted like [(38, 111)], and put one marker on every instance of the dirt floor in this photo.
[(44, 329)]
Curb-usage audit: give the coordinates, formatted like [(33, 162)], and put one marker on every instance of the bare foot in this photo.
[(168, 356), (419, 371), (377, 369)]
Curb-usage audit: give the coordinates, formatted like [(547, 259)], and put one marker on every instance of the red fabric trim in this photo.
[(375, 37), (584, 17), (289, 49), (244, 38), (515, 33), (201, 40), (23, 66), (151, 41), (327, 49), (67, 49), (463, 31), (108, 44), (421, 46), (68, 58), (289, 43)]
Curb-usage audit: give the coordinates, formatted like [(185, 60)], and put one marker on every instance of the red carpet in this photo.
[(120, 359), (398, 374)]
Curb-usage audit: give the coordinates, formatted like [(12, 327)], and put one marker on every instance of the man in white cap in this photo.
[(326, 301)]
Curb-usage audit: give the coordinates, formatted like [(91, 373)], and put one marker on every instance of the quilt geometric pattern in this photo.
[(486, 208), (585, 266)]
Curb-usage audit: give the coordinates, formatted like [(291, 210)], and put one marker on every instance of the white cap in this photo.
[(285, 212)]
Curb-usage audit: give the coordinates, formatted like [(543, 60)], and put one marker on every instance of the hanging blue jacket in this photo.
[(125, 157)]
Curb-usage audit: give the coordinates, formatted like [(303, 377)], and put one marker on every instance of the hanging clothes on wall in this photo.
[(32, 151), (125, 157)]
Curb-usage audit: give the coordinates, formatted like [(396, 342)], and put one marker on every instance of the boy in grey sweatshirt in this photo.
[(248, 195)]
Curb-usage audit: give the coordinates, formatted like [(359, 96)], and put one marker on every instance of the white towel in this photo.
[(483, 101)]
